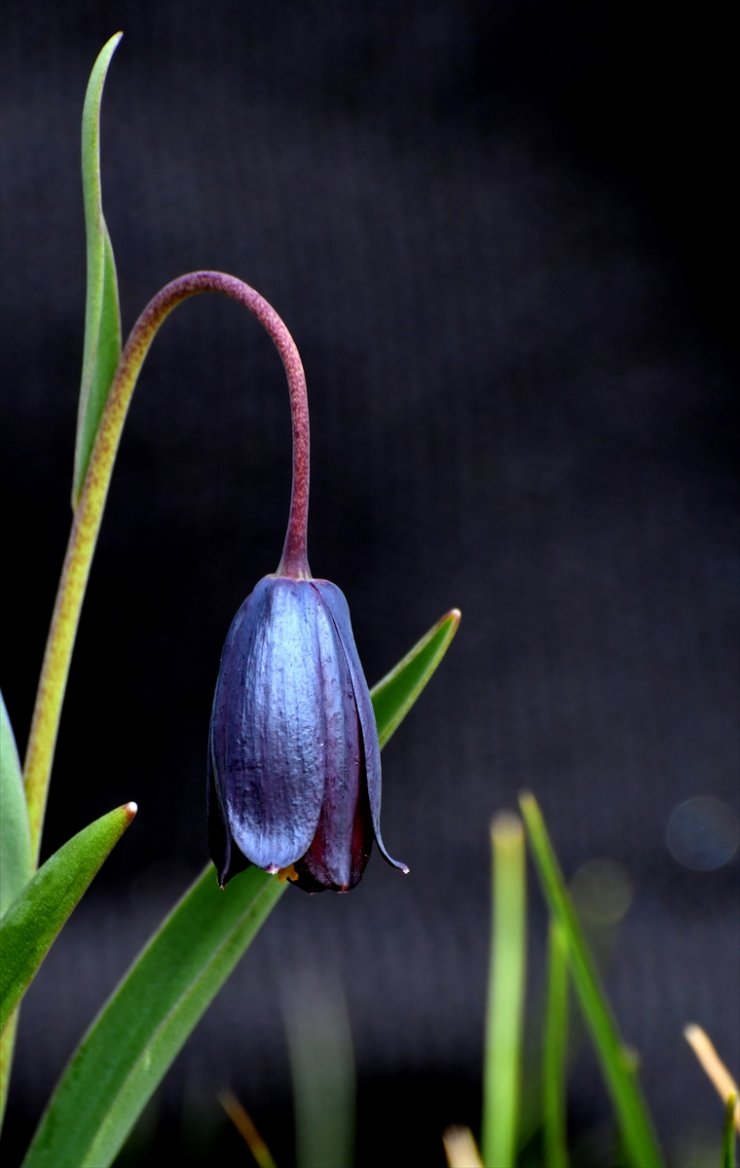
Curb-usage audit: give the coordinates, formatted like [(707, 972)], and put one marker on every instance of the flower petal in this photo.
[(336, 603), (268, 727)]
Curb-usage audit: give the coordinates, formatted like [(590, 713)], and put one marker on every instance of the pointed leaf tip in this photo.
[(32, 922), (102, 343), (398, 691)]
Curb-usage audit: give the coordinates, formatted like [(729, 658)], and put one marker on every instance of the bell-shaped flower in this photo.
[(294, 761)]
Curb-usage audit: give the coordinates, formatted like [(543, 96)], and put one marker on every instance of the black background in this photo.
[(502, 236)]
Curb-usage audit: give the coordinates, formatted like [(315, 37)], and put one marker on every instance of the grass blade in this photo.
[(102, 345), (616, 1063), (322, 1066), (32, 923), (502, 1070), (396, 693), (729, 1137), (554, 1062)]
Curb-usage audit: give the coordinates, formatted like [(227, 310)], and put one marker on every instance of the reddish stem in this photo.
[(294, 560)]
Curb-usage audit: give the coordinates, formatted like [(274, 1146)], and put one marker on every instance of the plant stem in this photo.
[(89, 511)]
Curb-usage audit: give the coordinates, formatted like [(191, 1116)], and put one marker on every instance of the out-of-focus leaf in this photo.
[(15, 840), (173, 981), (323, 1071), (102, 345), (396, 693), (32, 922), (618, 1068), (506, 984), (555, 1053)]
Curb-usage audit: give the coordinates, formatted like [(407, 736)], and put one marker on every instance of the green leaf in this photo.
[(729, 1137), (503, 1054), (555, 1053), (149, 1017), (396, 693), (323, 1072), (16, 864), (32, 922), (168, 989), (102, 345), (617, 1062)]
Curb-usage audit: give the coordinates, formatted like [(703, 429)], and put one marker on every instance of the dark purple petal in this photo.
[(336, 602), (274, 717)]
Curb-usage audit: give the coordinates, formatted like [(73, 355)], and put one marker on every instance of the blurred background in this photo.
[(501, 235)]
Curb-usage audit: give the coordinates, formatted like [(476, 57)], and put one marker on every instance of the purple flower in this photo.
[(294, 761)]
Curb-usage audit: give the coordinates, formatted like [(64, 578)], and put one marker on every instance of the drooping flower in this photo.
[(293, 754), (294, 761)]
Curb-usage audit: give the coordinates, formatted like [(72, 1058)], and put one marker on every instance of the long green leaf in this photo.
[(15, 841), (503, 1055), (396, 693), (555, 1053), (143, 1026), (323, 1072), (102, 345), (616, 1063), (32, 922)]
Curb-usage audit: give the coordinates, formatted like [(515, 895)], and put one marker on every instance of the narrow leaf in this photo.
[(323, 1072), (102, 345), (32, 922), (555, 1053), (148, 1019), (396, 693), (617, 1065), (729, 1138), (15, 840), (163, 996), (16, 864), (502, 1070)]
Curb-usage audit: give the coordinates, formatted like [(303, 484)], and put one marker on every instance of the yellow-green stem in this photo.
[(89, 512)]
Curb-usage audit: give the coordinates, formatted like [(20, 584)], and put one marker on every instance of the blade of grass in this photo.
[(460, 1148), (502, 1070), (158, 1004), (617, 1064), (247, 1129), (323, 1072), (102, 344), (555, 1050), (728, 1133), (713, 1067)]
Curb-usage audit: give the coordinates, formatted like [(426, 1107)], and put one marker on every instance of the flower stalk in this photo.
[(89, 511)]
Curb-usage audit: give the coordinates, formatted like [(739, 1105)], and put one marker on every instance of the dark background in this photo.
[(502, 236)]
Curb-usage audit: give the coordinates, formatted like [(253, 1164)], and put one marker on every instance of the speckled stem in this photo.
[(89, 511)]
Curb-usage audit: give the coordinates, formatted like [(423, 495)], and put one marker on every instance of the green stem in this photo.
[(89, 512)]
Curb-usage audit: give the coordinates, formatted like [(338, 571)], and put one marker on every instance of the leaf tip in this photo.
[(129, 811)]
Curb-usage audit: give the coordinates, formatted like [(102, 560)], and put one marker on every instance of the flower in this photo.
[(294, 761)]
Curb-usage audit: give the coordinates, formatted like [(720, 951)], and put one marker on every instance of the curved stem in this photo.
[(89, 511)]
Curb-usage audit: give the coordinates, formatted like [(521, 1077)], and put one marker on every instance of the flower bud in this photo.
[(294, 761)]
